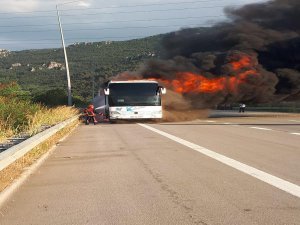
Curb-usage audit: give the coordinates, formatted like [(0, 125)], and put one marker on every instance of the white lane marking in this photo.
[(295, 133), (231, 124), (261, 175), (260, 128), (298, 121), (209, 121)]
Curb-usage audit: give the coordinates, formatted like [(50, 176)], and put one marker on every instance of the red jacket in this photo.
[(90, 112)]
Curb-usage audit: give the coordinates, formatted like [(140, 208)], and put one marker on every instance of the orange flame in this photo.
[(243, 62), (188, 82)]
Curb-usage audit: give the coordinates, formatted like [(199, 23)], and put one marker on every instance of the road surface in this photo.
[(130, 174)]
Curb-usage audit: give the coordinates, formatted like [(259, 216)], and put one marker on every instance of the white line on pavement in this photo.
[(263, 176), (231, 124), (209, 121), (260, 128), (298, 121), (295, 133)]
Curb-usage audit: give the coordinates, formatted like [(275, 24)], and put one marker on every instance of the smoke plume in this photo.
[(255, 58)]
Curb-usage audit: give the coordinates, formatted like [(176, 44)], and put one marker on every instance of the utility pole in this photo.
[(66, 59)]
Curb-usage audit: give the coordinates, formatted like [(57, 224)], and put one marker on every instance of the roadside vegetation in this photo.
[(20, 115), (89, 63)]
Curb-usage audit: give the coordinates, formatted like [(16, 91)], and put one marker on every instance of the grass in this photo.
[(12, 172), (48, 117), (20, 115), (29, 119)]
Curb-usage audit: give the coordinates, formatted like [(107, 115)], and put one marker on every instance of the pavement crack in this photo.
[(171, 193)]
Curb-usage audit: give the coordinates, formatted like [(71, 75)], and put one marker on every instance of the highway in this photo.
[(226, 170)]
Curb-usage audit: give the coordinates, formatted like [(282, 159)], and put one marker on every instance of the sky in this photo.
[(33, 24)]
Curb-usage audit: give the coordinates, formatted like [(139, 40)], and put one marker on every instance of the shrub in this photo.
[(20, 115), (52, 97)]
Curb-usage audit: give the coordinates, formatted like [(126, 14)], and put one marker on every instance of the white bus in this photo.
[(137, 99)]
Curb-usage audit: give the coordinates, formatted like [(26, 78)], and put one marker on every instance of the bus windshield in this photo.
[(134, 94)]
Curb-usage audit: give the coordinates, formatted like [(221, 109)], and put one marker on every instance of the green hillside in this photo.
[(87, 61)]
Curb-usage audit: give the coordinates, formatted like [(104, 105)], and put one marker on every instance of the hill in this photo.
[(43, 69)]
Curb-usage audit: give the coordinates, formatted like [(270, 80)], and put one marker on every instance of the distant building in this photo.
[(4, 53), (15, 65), (55, 65)]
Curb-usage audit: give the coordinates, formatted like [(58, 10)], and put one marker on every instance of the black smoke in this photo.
[(268, 33)]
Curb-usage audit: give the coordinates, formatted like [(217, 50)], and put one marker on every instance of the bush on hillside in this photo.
[(22, 115), (14, 109), (13, 90), (57, 97), (52, 97)]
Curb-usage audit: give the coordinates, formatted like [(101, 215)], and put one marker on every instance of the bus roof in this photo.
[(132, 81)]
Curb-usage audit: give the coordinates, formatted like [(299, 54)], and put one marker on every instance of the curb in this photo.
[(16, 152)]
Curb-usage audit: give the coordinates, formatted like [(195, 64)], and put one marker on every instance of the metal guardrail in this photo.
[(15, 152), (276, 109), (265, 109)]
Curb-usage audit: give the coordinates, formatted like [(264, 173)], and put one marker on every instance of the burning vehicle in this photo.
[(254, 58), (136, 99)]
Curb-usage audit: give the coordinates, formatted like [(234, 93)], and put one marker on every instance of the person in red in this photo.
[(90, 115)]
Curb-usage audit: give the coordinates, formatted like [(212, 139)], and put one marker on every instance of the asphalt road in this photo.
[(128, 174)]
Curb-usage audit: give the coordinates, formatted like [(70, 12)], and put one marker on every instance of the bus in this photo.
[(136, 99)]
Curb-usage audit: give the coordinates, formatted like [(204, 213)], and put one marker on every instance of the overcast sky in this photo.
[(32, 24)]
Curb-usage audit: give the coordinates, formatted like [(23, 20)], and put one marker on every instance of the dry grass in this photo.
[(5, 127), (5, 130), (49, 117), (12, 172), (33, 120)]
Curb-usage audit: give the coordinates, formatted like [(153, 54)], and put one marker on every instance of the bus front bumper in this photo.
[(137, 112)]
